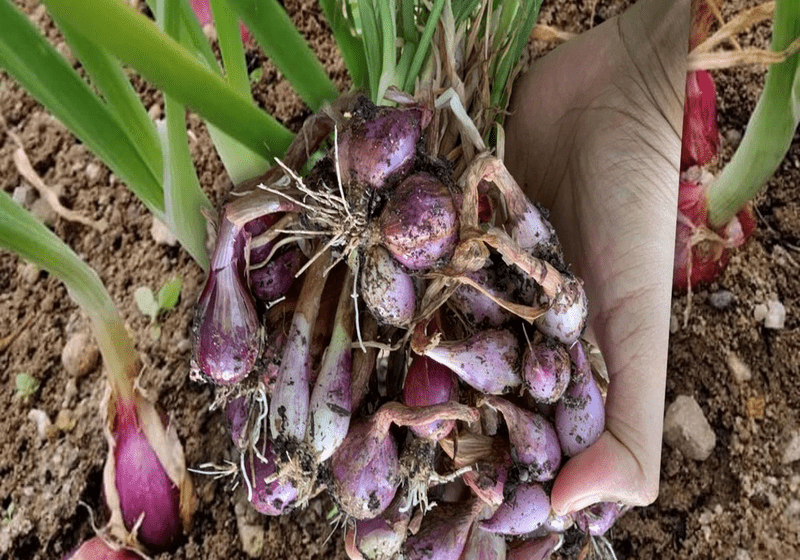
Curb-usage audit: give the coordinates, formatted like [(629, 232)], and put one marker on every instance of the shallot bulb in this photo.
[(380, 538), (700, 138), (419, 224), (477, 307), (535, 549), (580, 414), (387, 289), (267, 494), (273, 280), (534, 442), (488, 361), (701, 254), (226, 326), (365, 470), (377, 151), (524, 511), (546, 370), (566, 317), (427, 383), (97, 549), (144, 491)]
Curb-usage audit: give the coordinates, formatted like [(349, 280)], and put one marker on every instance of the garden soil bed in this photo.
[(742, 502)]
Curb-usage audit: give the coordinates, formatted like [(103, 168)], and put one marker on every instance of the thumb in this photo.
[(605, 472)]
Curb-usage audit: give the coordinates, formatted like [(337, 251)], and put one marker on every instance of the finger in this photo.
[(606, 472)]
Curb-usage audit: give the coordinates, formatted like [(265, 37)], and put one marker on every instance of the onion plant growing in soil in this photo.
[(387, 317), (715, 213)]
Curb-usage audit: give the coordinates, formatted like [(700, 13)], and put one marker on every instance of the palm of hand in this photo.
[(600, 149)]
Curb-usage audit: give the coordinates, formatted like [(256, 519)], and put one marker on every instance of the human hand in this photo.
[(594, 136)]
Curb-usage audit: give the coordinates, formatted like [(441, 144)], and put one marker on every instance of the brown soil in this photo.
[(740, 503)]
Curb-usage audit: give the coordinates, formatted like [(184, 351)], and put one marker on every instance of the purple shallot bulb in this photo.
[(580, 414), (566, 317), (443, 532), (535, 549), (523, 512), (97, 549), (365, 471), (267, 494), (534, 442), (272, 280), (227, 332), (380, 538), (546, 368), (427, 383), (145, 480), (237, 412), (387, 289), (596, 519), (331, 402), (289, 409), (378, 151), (488, 361), (419, 224), (477, 307)]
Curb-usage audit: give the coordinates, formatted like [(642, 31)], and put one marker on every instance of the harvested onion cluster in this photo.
[(399, 328)]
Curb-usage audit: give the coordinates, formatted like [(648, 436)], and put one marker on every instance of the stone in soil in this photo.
[(686, 429)]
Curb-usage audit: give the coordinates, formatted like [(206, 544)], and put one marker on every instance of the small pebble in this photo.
[(42, 421), (760, 312), (733, 137), (742, 554), (29, 273), (792, 451), (776, 315), (721, 299), (24, 195), (43, 212), (80, 354), (738, 368), (184, 345), (674, 324), (92, 171), (161, 233), (686, 428)]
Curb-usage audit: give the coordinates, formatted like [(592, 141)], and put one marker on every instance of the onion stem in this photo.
[(770, 129), (21, 233)]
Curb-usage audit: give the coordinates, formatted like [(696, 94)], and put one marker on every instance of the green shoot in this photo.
[(26, 386), (152, 305)]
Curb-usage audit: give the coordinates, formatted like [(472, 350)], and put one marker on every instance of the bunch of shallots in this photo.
[(399, 328)]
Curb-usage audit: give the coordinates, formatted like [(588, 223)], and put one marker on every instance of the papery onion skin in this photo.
[(143, 486), (419, 224), (483, 545), (477, 307)]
